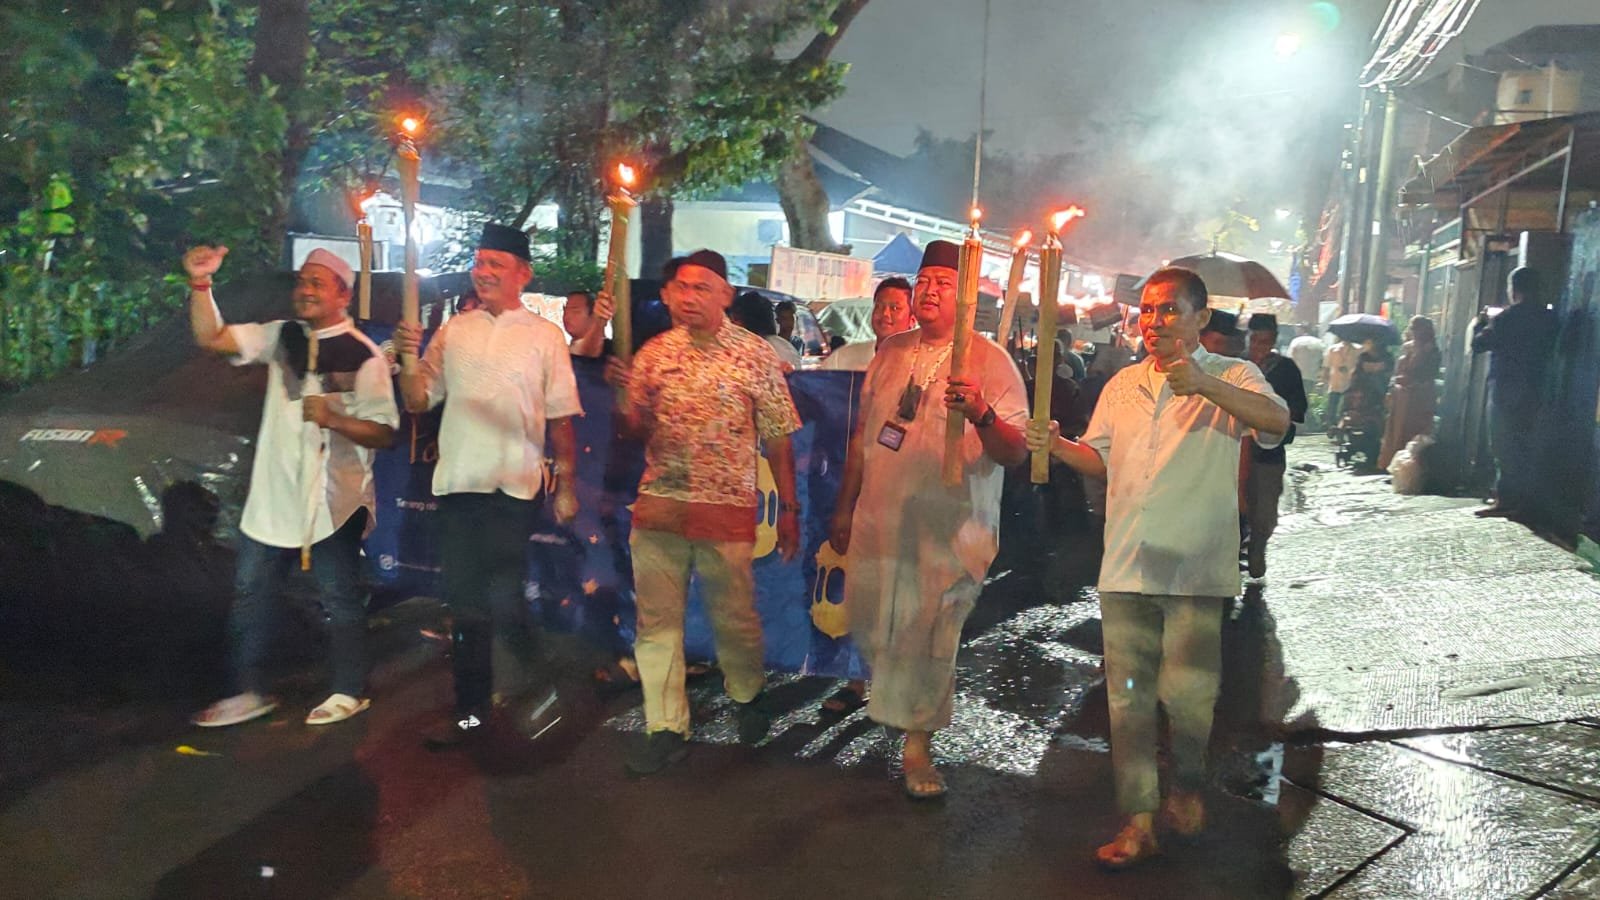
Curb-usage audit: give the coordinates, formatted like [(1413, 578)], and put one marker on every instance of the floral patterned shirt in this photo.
[(706, 409)]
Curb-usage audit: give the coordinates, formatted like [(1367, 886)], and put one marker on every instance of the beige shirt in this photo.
[(1172, 468), (501, 379)]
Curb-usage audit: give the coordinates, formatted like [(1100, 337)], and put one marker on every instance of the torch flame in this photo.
[(1023, 239), (625, 174), (1062, 217), (975, 214), (411, 125)]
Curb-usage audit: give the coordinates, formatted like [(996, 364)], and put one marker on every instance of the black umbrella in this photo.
[(1358, 328), (1227, 275)]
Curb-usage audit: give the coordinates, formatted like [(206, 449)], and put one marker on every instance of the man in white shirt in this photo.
[(1307, 351), (1166, 436), (891, 314), (505, 378), (1338, 370), (311, 482)]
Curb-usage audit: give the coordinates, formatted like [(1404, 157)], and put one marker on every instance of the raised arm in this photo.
[(205, 320)]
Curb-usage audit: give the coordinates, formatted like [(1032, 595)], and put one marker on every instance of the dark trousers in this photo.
[(1513, 425), (483, 547), (258, 579)]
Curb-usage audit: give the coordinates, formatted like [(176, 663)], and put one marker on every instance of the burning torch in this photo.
[(966, 308), (409, 162), (621, 203), (1019, 262), (1049, 312)]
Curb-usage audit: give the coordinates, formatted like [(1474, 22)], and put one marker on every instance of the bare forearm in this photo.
[(850, 484), (1258, 411), (1004, 443), (780, 456), (414, 392), (564, 447), (205, 322), (1082, 458)]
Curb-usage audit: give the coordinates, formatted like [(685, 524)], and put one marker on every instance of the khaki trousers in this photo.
[(1167, 649), (662, 561)]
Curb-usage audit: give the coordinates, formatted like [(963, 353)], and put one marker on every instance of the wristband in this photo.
[(987, 419)]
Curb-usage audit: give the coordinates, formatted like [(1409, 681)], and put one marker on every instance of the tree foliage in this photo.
[(131, 129)]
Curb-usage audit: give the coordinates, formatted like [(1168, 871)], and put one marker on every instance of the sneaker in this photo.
[(656, 751), (460, 731), (755, 720)]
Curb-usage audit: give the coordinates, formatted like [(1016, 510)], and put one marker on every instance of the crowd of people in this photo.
[(1177, 446)]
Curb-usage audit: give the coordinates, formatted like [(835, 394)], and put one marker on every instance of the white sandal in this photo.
[(233, 710), (336, 708)]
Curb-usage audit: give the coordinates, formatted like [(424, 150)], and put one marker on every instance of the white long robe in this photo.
[(919, 551)]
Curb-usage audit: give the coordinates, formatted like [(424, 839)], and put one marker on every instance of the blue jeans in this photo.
[(336, 566)]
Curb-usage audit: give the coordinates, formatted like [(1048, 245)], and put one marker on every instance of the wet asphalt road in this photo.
[(1435, 676)]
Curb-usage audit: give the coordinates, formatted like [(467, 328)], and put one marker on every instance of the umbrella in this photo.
[(1358, 328), (1227, 275)]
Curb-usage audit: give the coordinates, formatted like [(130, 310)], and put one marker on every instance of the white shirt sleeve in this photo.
[(374, 394), (1247, 376), (1098, 434), (256, 341), (431, 366)]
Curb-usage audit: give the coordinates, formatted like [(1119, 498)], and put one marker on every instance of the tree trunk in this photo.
[(805, 203), (578, 222), (282, 48), (655, 235)]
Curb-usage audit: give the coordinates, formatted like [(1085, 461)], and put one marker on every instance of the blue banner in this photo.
[(580, 577)]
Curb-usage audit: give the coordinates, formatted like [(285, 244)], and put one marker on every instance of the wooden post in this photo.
[(966, 308)]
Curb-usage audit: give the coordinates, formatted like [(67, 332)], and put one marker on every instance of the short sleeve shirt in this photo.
[(707, 408), (501, 380), (1172, 472), (307, 481)]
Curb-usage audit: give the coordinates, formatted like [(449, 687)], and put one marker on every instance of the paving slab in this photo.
[(1328, 840), (1563, 756), (1474, 834), (1582, 884)]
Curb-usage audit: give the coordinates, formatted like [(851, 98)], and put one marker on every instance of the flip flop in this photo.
[(1129, 848), (925, 782), (234, 710), (843, 702), (336, 708)]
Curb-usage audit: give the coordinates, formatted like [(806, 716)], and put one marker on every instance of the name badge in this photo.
[(892, 436)]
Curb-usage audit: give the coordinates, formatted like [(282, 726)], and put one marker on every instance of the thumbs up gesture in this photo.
[(1184, 377)]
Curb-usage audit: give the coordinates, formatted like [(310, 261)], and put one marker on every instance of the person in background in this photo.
[(1519, 342), (1221, 335), (1411, 394), (754, 314), (1307, 351), (891, 314), (1264, 466), (585, 322), (787, 325), (1338, 368)]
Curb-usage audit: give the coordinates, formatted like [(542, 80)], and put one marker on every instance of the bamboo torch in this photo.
[(409, 162), (966, 308), (1049, 311), (311, 469), (364, 295), (622, 203), (1019, 262)]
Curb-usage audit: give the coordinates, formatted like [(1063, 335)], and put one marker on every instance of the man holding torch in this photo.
[(1166, 435), (918, 550), (335, 401), (706, 397), (505, 378)]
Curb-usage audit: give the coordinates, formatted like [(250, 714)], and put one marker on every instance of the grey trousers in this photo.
[(1167, 649)]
